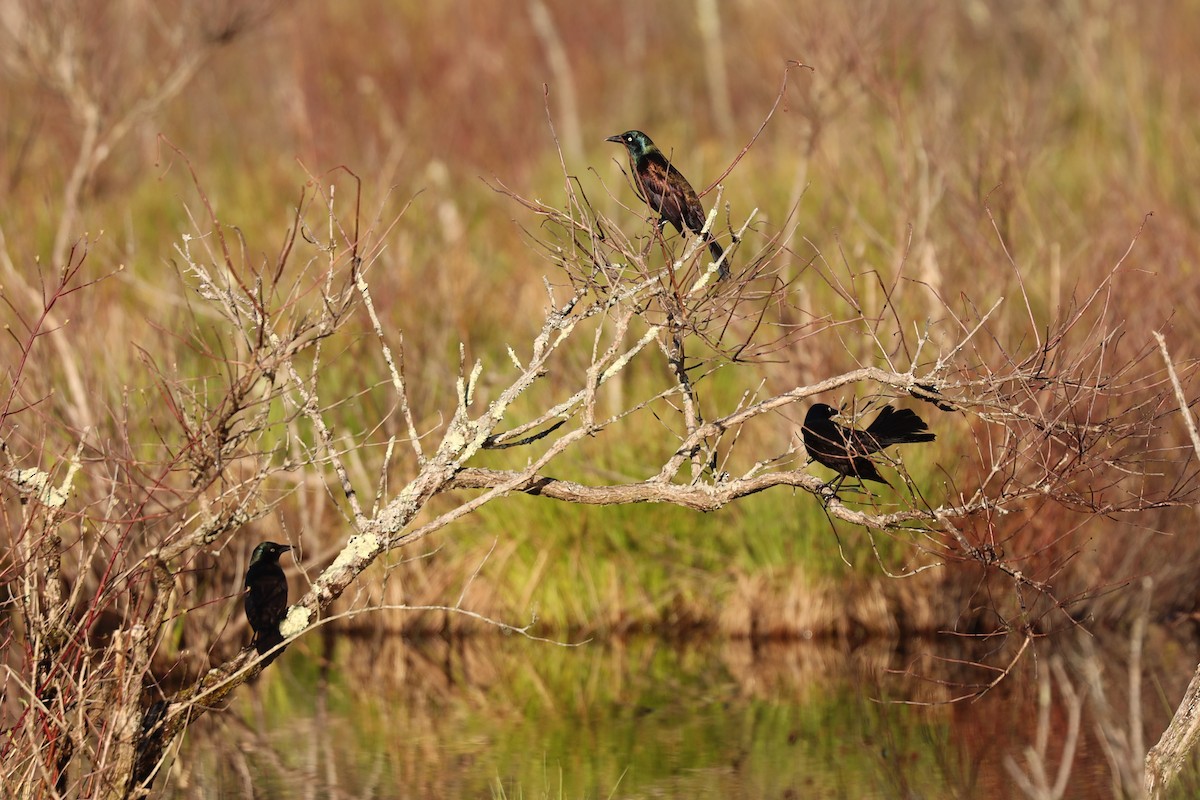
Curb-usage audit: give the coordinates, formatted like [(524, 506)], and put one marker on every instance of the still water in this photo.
[(507, 717)]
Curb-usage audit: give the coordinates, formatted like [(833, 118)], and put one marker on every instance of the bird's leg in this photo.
[(830, 489), (667, 259), (865, 489), (661, 238), (658, 233)]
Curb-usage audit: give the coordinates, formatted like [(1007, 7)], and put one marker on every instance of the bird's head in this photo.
[(268, 552), (636, 142), (820, 412)]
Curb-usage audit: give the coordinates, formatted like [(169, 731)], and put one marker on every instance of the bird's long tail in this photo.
[(899, 426), (265, 641), (715, 250)]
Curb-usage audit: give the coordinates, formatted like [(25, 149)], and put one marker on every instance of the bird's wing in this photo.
[(661, 184), (692, 211), (898, 426), (828, 442), (863, 443)]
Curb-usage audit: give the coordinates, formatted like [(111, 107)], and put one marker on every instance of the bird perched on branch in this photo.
[(266, 595), (666, 191), (846, 450)]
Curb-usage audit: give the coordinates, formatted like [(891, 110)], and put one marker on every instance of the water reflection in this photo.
[(507, 717)]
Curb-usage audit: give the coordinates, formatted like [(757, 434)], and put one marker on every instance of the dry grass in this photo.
[(1067, 126), (933, 161)]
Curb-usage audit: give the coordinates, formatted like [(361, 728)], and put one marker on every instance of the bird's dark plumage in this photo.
[(930, 394), (266, 594), (846, 450), (666, 191)]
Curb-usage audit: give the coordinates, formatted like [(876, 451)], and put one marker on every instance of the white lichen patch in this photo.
[(364, 545), (295, 622), (359, 547), (476, 371), (623, 361), (33, 480), (35, 483), (455, 439)]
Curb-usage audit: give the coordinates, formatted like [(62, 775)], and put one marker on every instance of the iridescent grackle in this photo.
[(845, 450), (266, 595), (666, 191)]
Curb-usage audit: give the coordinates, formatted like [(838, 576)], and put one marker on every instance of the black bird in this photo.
[(845, 450), (266, 595), (666, 191), (930, 394)]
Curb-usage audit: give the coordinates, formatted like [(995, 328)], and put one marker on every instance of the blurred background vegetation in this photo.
[(956, 144)]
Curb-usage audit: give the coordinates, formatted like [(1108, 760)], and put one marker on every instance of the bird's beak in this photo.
[(617, 138), (285, 548)]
